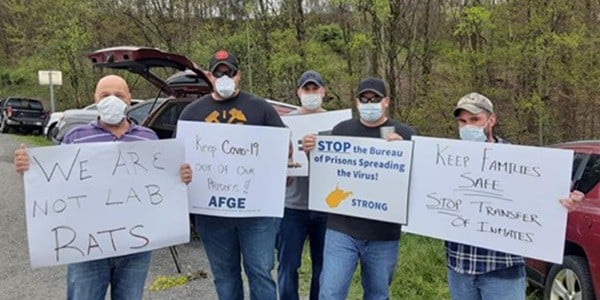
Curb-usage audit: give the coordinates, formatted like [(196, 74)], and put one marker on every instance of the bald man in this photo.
[(125, 274)]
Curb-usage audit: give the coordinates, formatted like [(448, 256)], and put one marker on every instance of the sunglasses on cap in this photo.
[(229, 73), (364, 99)]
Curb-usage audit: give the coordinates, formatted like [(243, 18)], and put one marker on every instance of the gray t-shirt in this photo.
[(296, 194)]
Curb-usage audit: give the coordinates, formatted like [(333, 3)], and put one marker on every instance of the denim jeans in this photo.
[(125, 274), (488, 286), (295, 226), (342, 252), (228, 242)]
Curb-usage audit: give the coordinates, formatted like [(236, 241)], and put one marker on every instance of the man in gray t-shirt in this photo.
[(298, 222)]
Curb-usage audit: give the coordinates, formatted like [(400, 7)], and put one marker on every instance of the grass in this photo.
[(420, 273), (33, 140)]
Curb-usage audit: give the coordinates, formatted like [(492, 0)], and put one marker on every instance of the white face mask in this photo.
[(311, 101), (370, 112), (225, 86), (111, 110), (472, 133)]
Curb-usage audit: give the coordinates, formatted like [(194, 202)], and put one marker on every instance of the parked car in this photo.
[(22, 113), (578, 277), (182, 88), (50, 129)]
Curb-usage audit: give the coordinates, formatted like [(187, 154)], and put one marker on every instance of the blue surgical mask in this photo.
[(370, 112), (472, 133), (311, 101)]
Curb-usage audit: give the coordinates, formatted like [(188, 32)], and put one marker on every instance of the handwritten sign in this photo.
[(302, 125), (90, 201), (360, 177), (497, 196), (239, 171)]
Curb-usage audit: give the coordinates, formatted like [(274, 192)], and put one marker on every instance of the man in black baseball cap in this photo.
[(310, 76), (299, 223), (340, 254), (223, 57), (224, 74), (229, 241), (372, 84)]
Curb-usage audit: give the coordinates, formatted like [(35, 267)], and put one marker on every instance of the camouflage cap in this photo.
[(474, 103)]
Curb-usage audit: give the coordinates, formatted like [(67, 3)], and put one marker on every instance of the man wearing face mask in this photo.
[(298, 222), (125, 274), (479, 273), (349, 240), (226, 239)]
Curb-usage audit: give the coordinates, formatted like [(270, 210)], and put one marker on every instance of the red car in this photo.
[(579, 275), (181, 88)]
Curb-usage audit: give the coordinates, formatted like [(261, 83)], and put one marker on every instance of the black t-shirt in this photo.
[(244, 108), (359, 228)]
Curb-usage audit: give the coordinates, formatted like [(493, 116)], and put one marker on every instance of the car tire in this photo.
[(569, 280), (51, 132), (4, 128)]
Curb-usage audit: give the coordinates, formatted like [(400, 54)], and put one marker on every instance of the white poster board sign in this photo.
[(302, 125), (239, 171), (360, 177), (497, 196), (90, 201)]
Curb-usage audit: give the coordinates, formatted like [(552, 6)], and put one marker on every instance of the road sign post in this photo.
[(50, 78)]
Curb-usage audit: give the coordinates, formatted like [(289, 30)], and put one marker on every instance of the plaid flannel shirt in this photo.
[(471, 260)]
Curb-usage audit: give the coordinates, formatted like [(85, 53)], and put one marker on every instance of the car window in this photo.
[(591, 174), (24, 103), (139, 112), (169, 116), (578, 167)]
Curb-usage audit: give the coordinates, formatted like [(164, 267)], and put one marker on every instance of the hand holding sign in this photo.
[(308, 142), (573, 201), (21, 159)]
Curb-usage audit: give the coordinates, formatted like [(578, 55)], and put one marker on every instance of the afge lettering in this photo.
[(228, 202)]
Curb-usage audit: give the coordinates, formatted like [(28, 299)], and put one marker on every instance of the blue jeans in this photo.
[(125, 274), (498, 285), (295, 226), (342, 252), (228, 242)]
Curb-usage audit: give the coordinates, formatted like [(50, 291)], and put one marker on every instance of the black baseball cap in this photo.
[(310, 76), (372, 84), (223, 57)]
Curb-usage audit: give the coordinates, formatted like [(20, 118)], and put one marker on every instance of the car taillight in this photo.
[(9, 111)]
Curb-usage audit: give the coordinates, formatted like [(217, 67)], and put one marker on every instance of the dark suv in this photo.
[(181, 88), (22, 113), (578, 277)]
